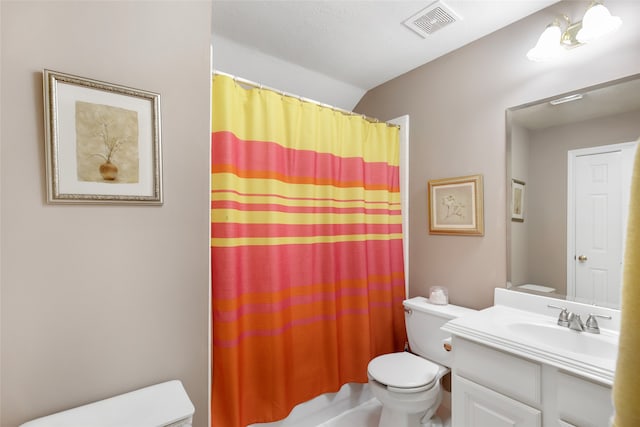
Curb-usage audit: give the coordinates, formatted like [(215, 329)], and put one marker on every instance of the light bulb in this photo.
[(548, 46), (596, 23)]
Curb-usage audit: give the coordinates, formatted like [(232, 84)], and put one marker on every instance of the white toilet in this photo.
[(408, 384), (166, 404)]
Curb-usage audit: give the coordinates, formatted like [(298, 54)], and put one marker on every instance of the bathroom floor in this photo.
[(364, 415)]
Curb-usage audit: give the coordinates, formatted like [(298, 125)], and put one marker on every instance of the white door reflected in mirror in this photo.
[(598, 185)]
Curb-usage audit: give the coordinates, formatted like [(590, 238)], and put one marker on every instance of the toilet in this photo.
[(408, 383), (166, 404)]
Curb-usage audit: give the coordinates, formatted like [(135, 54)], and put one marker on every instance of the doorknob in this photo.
[(582, 258)]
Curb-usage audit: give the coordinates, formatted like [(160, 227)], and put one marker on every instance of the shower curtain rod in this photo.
[(300, 98)]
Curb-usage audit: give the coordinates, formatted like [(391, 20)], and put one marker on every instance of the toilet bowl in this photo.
[(408, 384), (408, 388)]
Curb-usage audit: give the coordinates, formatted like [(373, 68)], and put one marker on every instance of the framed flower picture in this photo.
[(456, 206), (102, 142)]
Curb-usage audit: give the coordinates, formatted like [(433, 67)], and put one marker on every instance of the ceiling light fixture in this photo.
[(554, 41)]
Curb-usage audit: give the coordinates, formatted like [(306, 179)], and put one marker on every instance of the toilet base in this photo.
[(435, 421), (407, 409), (390, 418)]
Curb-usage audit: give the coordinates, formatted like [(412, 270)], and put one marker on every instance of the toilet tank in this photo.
[(160, 405), (423, 322)]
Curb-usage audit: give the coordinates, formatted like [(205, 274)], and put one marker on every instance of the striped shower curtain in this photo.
[(306, 251)]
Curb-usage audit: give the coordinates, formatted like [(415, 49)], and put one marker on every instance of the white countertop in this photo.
[(494, 327)]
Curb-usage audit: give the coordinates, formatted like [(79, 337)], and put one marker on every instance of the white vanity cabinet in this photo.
[(494, 388)]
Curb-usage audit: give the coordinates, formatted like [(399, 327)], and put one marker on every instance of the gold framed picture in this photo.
[(102, 142), (456, 206), (517, 200)]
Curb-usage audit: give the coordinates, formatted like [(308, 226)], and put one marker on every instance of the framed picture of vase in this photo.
[(102, 142), (456, 206)]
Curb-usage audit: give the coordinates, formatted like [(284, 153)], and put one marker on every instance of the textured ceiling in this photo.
[(362, 43)]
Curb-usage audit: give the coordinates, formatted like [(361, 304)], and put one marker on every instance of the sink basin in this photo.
[(559, 338)]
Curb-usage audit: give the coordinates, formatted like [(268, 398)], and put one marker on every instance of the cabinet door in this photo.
[(476, 406), (582, 402)]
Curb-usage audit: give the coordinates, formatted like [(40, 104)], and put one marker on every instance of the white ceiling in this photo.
[(360, 43)]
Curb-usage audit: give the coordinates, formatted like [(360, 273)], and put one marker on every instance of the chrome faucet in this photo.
[(575, 322)]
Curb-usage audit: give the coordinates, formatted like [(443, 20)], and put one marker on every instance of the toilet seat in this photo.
[(404, 372)]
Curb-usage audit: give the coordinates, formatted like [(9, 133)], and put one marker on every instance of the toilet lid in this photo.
[(402, 370)]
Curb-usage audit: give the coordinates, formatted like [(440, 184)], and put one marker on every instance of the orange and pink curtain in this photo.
[(306, 251)]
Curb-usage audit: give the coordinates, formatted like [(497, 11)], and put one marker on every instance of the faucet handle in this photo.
[(563, 317), (591, 324)]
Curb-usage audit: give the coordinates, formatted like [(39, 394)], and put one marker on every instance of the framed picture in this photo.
[(455, 206), (517, 200), (102, 142)]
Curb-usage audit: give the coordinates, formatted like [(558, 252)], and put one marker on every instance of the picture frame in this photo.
[(456, 206), (102, 140), (517, 200)]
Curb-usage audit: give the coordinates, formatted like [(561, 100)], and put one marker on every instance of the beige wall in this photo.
[(99, 300), (457, 107)]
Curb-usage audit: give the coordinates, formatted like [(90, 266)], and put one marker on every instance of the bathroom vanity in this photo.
[(514, 366)]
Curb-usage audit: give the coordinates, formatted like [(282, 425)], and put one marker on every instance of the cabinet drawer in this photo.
[(582, 402), (476, 406), (502, 372)]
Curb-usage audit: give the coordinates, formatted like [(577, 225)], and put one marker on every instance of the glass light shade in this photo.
[(548, 46), (597, 22)]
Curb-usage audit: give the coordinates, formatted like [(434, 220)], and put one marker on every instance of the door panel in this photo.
[(598, 228)]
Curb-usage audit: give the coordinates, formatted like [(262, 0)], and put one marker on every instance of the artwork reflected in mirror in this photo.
[(517, 200), (576, 159)]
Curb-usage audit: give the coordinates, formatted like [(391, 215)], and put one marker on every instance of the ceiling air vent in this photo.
[(429, 20)]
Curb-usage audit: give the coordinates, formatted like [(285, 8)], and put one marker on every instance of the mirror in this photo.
[(569, 162)]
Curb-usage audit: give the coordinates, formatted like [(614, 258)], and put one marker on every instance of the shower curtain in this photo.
[(306, 251)]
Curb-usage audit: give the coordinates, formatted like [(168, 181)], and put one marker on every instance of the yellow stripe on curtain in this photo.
[(307, 123), (626, 387), (220, 180)]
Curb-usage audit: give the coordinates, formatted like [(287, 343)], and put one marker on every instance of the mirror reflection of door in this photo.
[(597, 204), (539, 135)]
